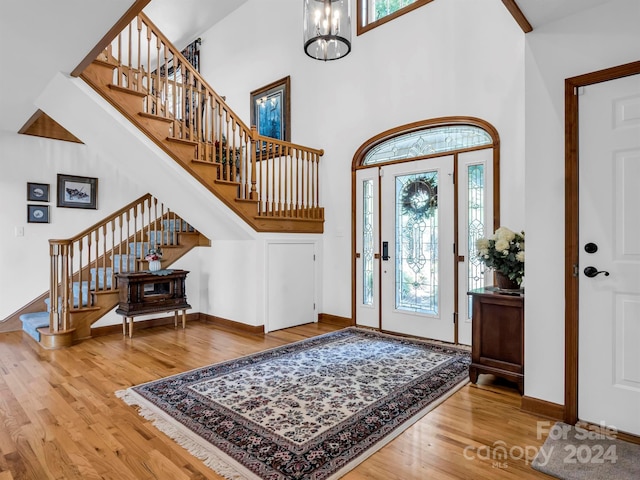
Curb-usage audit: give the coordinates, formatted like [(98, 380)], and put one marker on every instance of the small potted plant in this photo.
[(153, 256), (504, 253)]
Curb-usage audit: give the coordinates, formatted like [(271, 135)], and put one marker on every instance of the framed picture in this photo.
[(38, 213), (37, 192), (271, 110), (77, 192)]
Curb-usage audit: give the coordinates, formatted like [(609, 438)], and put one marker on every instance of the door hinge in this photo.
[(578, 91), (314, 306), (455, 318), (314, 257), (380, 172), (454, 248), (575, 270)]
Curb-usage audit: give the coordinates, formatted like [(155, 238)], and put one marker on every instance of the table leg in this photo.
[(124, 325), (130, 327), (175, 319), (184, 319)]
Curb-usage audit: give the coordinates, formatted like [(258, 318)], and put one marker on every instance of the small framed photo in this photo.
[(38, 213), (77, 192), (37, 192)]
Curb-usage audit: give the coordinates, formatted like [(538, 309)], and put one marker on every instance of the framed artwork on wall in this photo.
[(271, 110), (38, 213), (77, 192), (37, 192)]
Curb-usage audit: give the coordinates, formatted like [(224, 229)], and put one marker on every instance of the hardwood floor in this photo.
[(60, 419)]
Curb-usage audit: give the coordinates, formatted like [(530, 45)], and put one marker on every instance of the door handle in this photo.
[(385, 251), (594, 272)]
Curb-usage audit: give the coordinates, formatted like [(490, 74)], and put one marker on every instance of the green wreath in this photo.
[(419, 197)]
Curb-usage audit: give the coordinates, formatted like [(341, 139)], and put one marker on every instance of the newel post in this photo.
[(59, 334), (54, 315)]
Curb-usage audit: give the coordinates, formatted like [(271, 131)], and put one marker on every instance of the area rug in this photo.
[(308, 410), (572, 453)]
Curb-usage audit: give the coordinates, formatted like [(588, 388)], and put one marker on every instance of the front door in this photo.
[(416, 226), (404, 244), (609, 271)]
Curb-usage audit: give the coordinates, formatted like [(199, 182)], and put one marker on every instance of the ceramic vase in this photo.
[(154, 265)]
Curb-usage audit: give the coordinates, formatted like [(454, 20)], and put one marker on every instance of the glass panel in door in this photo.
[(417, 228)]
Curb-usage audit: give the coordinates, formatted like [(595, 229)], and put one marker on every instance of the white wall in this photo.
[(440, 60), (34, 159), (599, 38)]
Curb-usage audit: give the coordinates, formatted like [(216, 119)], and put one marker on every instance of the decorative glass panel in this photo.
[(427, 142), (367, 242), (416, 261), (476, 194)]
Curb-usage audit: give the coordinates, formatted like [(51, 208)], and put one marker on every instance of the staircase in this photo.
[(83, 268), (272, 185)]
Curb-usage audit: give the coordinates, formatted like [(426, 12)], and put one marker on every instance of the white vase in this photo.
[(154, 265)]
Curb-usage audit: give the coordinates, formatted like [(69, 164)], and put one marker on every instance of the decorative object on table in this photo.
[(37, 192), (311, 409), (153, 256), (77, 192), (38, 213), (271, 110), (504, 253)]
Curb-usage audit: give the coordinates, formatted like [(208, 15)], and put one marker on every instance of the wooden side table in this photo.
[(497, 344), (142, 293)]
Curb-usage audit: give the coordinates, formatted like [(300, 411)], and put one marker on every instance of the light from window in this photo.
[(372, 13)]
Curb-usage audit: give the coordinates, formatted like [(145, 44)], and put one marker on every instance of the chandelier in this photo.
[(327, 29)]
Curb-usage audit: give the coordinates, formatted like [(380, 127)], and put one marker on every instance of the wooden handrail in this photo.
[(144, 61), (102, 222), (88, 262)]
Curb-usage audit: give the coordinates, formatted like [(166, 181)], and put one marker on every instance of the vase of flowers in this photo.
[(153, 256), (503, 252)]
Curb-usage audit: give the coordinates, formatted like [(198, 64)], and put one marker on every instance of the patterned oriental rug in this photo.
[(309, 410)]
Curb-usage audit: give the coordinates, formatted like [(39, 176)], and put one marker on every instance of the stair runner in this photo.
[(121, 263)]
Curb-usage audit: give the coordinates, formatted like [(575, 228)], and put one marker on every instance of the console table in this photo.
[(497, 344), (142, 293)]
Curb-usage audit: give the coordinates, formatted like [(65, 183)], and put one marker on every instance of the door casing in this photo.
[(357, 164), (572, 226)]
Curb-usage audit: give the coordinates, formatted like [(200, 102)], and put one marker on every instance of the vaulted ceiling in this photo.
[(43, 37)]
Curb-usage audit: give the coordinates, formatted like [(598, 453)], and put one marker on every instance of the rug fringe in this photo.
[(177, 434)]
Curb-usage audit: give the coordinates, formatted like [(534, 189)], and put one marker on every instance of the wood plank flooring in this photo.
[(60, 419)]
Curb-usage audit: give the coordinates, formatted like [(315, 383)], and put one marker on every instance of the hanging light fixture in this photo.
[(327, 29)]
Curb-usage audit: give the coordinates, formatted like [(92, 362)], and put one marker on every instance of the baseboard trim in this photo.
[(542, 407), (627, 437), (141, 325), (231, 325), (335, 320)]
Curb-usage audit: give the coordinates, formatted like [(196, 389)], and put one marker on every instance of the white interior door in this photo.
[(290, 285), (609, 305), (417, 259)]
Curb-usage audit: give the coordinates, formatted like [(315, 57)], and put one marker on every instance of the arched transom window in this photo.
[(429, 140)]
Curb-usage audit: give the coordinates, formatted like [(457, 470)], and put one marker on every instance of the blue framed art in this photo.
[(271, 110)]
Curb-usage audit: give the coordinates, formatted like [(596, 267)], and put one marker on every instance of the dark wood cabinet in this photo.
[(497, 344), (142, 293)]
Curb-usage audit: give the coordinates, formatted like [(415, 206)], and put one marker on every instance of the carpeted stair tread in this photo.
[(32, 321)]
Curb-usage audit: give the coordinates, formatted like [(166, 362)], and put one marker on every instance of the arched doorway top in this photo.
[(426, 138)]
